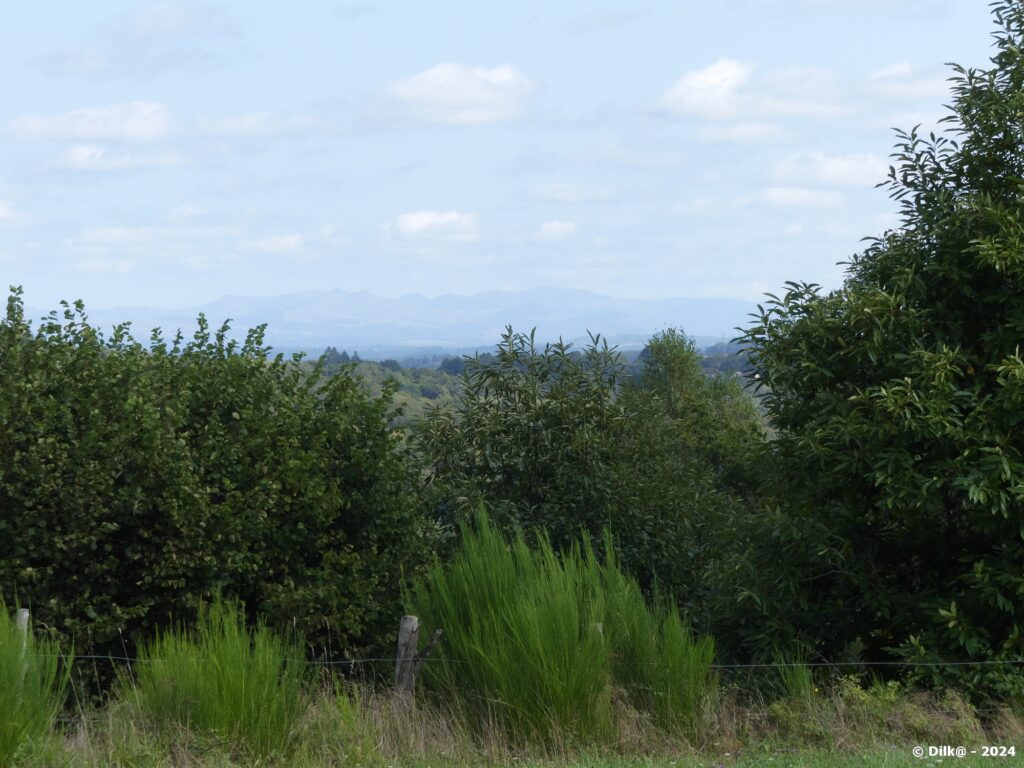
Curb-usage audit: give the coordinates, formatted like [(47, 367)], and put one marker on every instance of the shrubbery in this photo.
[(535, 641), (137, 480), (566, 442), (897, 400)]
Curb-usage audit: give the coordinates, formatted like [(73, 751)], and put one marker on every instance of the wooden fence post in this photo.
[(408, 660), (21, 623), (408, 642)]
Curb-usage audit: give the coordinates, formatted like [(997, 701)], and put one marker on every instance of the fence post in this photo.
[(21, 623), (409, 661), (405, 658), (21, 620)]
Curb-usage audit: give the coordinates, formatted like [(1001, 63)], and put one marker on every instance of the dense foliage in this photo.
[(567, 442), (136, 480), (898, 404)]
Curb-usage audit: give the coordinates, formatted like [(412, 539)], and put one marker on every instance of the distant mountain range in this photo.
[(379, 327)]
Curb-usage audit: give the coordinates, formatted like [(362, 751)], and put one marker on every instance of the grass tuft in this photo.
[(538, 641), (240, 685), (33, 686)]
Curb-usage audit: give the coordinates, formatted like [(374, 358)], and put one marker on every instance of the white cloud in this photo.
[(604, 19), (274, 244), (185, 212), (451, 226), (255, 125), (132, 121), (903, 81), (8, 214), (712, 92), (917, 88), (157, 38), (132, 237), (713, 207), (727, 90), (160, 21), (459, 95), (555, 230), (259, 125), (613, 152), (741, 133), (855, 170), (864, 170), (568, 192), (90, 157), (353, 11), (800, 197), (902, 69)]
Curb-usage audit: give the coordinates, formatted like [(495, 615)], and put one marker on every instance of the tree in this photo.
[(898, 399), (137, 480), (565, 442)]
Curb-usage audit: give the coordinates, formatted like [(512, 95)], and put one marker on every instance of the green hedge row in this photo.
[(135, 480)]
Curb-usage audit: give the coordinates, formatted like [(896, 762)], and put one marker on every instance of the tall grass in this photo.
[(537, 640), (796, 678), (242, 685), (33, 685), (664, 668), (521, 643)]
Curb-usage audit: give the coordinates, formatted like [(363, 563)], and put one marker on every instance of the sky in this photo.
[(167, 154)]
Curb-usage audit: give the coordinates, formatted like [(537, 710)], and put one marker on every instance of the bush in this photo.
[(33, 685), (536, 641), (897, 404), (561, 441), (242, 686), (136, 481)]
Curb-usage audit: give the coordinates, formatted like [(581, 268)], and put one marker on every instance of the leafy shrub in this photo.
[(137, 480), (33, 685), (242, 686), (563, 441), (897, 404), (536, 640)]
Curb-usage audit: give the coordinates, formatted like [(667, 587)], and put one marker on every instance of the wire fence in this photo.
[(739, 666)]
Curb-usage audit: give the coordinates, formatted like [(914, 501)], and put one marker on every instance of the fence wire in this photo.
[(751, 666)]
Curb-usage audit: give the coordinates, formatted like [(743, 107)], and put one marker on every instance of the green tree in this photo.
[(137, 480), (564, 441), (898, 402)]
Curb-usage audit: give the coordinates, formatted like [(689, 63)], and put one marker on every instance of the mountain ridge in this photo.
[(363, 320)]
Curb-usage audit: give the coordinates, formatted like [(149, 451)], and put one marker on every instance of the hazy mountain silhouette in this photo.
[(364, 321)]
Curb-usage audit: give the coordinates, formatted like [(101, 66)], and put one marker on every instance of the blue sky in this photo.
[(167, 154)]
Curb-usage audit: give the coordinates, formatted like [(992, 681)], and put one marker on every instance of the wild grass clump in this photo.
[(522, 642), (537, 640), (33, 685), (664, 668), (243, 686)]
